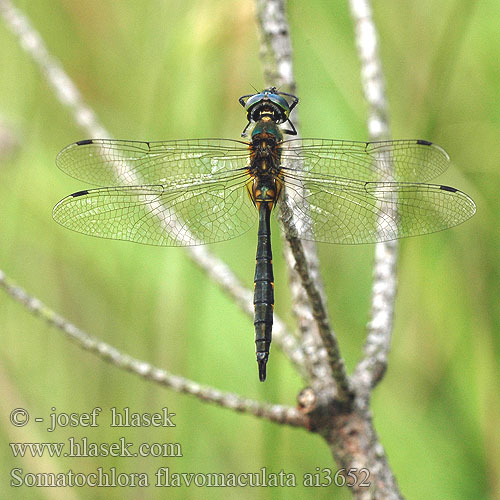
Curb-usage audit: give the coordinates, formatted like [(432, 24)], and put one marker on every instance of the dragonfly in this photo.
[(198, 191)]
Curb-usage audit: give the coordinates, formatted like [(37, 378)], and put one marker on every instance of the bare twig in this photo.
[(348, 428), (320, 344), (372, 367), (275, 413), (68, 94)]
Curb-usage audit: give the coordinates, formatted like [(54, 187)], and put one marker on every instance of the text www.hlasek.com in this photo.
[(85, 448)]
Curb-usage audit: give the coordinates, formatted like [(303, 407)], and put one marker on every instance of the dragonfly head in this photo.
[(269, 103)]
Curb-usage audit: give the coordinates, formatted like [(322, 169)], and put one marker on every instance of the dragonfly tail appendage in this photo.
[(262, 358)]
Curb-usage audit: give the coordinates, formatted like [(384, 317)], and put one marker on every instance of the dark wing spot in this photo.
[(448, 188), (424, 143), (85, 141), (80, 193)]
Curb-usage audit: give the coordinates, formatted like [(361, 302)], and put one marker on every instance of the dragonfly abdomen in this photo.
[(264, 289)]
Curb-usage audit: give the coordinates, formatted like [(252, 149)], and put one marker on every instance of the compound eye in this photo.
[(281, 103), (255, 99)]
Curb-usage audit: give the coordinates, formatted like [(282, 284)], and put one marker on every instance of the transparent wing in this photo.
[(337, 210), (107, 162), (158, 215), (403, 160), (196, 190)]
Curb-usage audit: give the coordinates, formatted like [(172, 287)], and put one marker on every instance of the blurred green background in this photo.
[(164, 70)]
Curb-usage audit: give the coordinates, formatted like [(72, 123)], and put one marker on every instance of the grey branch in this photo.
[(69, 96), (345, 423), (276, 413), (319, 340), (66, 92), (372, 366)]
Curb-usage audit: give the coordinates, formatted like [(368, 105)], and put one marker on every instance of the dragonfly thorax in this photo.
[(265, 163), (268, 130), (265, 148)]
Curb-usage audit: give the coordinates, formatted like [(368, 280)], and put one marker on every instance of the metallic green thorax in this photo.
[(269, 128)]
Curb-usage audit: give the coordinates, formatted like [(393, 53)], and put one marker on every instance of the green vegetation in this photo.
[(165, 70)]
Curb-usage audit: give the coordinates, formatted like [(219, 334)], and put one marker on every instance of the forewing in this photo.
[(108, 162), (157, 215), (403, 160), (351, 212)]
